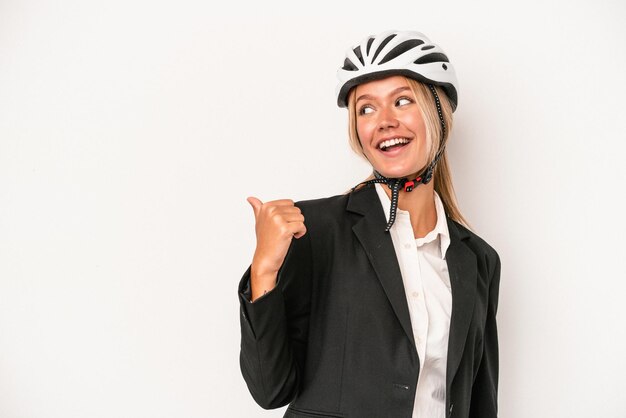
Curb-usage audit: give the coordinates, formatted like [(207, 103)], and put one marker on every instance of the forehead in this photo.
[(382, 87)]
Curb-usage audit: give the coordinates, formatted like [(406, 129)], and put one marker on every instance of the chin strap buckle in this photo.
[(409, 185)]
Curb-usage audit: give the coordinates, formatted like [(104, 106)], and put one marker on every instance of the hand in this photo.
[(277, 222)]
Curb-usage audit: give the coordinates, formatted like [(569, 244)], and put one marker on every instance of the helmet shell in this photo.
[(406, 53)]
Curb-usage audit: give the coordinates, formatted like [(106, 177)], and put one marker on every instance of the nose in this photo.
[(387, 119)]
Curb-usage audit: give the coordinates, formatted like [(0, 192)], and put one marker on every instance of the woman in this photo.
[(383, 305)]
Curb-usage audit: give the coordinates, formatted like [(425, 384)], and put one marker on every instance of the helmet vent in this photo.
[(349, 66), (427, 47), (382, 45), (369, 45), (357, 52), (434, 57), (401, 49)]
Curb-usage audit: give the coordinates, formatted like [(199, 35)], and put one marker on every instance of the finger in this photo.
[(285, 210), (281, 202), (256, 205), (293, 217), (297, 229)]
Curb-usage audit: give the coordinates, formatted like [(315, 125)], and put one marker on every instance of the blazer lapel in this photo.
[(370, 231), (462, 267)]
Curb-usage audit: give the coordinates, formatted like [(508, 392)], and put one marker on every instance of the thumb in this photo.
[(256, 205)]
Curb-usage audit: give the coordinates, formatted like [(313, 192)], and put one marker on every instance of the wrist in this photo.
[(262, 271), (262, 281)]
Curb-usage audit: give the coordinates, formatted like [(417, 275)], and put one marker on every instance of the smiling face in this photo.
[(390, 127)]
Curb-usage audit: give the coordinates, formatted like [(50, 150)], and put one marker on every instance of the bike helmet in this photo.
[(407, 53)]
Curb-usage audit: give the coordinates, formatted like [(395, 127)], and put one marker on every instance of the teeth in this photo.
[(390, 142)]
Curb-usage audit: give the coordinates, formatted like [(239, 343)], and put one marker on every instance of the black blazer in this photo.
[(334, 338)]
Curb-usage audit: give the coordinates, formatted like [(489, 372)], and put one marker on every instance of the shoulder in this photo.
[(324, 207), (475, 240), (478, 245), (339, 199), (327, 218)]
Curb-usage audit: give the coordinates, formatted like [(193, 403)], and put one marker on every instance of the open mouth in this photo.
[(393, 143)]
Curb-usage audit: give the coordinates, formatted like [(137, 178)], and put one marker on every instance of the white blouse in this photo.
[(427, 287)]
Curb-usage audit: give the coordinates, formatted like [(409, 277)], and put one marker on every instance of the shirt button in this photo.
[(407, 246), (415, 294)]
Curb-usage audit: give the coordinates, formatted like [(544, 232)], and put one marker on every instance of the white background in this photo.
[(131, 133)]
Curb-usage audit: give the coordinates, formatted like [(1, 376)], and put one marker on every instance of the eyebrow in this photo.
[(396, 91)]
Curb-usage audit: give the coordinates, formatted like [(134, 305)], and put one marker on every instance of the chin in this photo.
[(397, 172)]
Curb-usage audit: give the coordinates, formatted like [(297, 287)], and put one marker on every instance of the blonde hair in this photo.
[(442, 175)]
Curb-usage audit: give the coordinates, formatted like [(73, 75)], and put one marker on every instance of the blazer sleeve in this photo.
[(274, 329), (484, 402)]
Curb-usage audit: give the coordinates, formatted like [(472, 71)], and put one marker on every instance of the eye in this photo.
[(365, 110), (403, 101)]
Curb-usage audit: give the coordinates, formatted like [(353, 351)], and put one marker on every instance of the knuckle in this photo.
[(269, 207)]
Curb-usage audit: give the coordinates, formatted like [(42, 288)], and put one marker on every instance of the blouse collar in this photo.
[(441, 227)]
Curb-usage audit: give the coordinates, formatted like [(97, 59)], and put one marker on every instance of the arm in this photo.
[(274, 329), (484, 403)]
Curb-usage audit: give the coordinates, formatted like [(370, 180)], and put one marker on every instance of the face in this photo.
[(390, 127)]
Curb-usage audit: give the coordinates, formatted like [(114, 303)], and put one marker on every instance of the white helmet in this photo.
[(390, 53)]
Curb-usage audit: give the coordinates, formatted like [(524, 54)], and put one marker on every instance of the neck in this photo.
[(420, 203)]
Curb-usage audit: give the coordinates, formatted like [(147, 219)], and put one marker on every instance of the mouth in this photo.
[(391, 144)]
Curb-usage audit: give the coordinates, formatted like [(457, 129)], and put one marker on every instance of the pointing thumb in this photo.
[(256, 205)]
